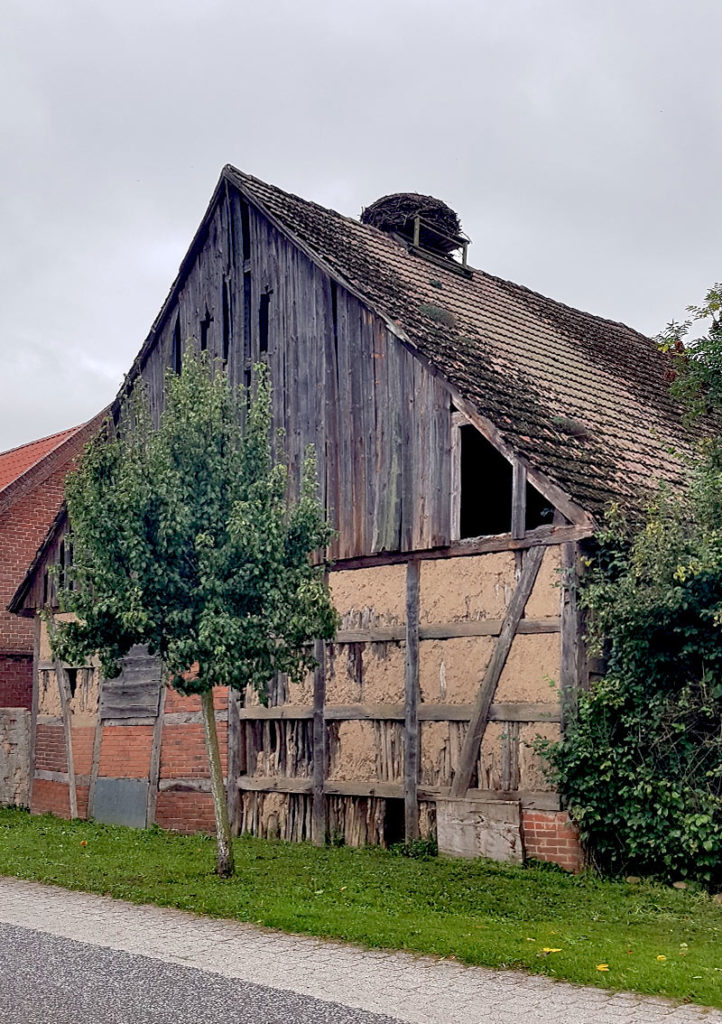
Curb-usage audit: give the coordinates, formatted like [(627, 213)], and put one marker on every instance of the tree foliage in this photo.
[(183, 540), (640, 763)]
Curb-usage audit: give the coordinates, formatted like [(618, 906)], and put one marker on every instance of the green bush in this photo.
[(640, 764)]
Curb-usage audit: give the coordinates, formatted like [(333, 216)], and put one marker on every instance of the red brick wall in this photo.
[(183, 752), (16, 681), (125, 751), (27, 510), (50, 749), (175, 701), (186, 812), (83, 738), (51, 798), (551, 836)]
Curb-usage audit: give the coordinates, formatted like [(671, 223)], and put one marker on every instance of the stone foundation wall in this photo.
[(14, 757)]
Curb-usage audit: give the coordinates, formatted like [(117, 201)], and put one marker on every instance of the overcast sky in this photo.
[(579, 140)]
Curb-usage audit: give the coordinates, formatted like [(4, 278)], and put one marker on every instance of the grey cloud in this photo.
[(580, 144)]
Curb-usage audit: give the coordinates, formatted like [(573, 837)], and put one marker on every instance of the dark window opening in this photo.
[(177, 354), (45, 587), (485, 487), (263, 321), (245, 231), (394, 822), (226, 321), (205, 327), (539, 511), (72, 676)]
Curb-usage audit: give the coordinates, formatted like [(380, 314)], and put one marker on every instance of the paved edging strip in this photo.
[(416, 990)]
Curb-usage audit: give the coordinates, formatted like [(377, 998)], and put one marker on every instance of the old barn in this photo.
[(469, 434)]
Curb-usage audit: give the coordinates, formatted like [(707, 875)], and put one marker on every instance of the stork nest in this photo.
[(397, 212)]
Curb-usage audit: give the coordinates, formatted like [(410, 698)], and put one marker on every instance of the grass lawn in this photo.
[(653, 939)]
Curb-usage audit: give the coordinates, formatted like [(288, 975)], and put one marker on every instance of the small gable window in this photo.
[(485, 506), (490, 495)]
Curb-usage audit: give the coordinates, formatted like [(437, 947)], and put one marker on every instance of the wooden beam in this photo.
[(50, 776), (371, 636), (542, 535), (487, 627), (64, 691), (540, 800), (411, 697), (516, 711), (275, 784), (446, 630), (190, 717), (477, 725), (319, 744), (95, 763), (234, 755), (37, 626), (455, 479), (572, 649), (518, 499), (154, 770), (259, 713)]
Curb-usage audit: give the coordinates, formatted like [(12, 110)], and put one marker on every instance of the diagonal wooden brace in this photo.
[(485, 695), (65, 698)]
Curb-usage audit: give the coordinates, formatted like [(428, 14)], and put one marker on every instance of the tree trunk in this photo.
[(226, 866)]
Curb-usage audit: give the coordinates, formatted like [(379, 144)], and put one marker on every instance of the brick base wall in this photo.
[(551, 836), (51, 798), (16, 681), (186, 812)]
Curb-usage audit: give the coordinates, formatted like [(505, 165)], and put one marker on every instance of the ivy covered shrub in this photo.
[(640, 764)]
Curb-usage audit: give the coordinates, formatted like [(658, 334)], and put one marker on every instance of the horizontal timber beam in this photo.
[(393, 791), (521, 711), (48, 776), (542, 536), (447, 630)]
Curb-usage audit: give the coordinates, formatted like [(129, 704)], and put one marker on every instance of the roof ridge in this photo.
[(39, 440), (370, 228)]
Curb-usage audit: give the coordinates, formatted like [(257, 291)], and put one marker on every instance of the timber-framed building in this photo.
[(469, 433)]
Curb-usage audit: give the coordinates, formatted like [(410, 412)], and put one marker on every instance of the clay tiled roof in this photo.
[(17, 461), (583, 398)]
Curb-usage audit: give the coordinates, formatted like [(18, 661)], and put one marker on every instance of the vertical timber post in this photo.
[(319, 744), (518, 500), (154, 770), (570, 632), (37, 626), (64, 690), (411, 696)]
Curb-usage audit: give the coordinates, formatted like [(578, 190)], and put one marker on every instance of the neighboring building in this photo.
[(469, 433), (31, 493)]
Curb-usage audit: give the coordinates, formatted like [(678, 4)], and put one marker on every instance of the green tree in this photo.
[(184, 540), (640, 763)]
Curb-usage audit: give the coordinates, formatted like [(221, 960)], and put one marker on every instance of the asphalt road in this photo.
[(49, 980)]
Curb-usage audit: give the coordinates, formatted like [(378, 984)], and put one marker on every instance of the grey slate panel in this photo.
[(121, 802)]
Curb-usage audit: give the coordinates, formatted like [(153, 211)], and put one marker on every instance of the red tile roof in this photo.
[(19, 460)]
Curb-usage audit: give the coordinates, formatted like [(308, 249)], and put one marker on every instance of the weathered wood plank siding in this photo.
[(379, 421)]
